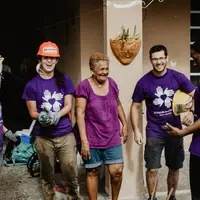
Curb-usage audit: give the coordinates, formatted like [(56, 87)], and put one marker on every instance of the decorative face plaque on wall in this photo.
[(126, 46)]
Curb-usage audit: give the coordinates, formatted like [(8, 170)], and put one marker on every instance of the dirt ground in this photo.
[(17, 184)]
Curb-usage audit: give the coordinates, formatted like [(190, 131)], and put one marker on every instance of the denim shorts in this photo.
[(112, 155)]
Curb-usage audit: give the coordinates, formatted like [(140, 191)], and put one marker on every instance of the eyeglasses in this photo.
[(155, 60)]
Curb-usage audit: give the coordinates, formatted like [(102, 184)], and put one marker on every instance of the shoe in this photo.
[(172, 197), (154, 198)]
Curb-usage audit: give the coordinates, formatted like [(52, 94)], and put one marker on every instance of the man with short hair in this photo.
[(157, 89)]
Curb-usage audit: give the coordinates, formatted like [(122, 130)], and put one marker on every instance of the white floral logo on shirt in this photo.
[(51, 101), (163, 97)]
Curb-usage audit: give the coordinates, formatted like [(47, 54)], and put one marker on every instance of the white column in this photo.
[(126, 13)]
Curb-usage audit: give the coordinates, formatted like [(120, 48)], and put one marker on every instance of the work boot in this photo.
[(154, 198), (172, 197)]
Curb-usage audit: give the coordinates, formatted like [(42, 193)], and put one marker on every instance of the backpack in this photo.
[(20, 154)]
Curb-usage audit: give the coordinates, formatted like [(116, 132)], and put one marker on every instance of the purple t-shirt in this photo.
[(195, 144), (46, 93), (158, 93), (101, 115), (1, 130)]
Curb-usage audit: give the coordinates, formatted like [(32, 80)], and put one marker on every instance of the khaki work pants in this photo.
[(64, 149)]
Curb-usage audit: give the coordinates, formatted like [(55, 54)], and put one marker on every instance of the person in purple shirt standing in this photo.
[(99, 112), (194, 128), (157, 89), (49, 100)]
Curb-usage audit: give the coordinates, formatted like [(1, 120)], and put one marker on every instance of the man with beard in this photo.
[(157, 89)]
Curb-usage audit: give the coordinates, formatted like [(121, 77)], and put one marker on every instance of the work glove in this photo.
[(13, 137), (54, 117), (44, 119)]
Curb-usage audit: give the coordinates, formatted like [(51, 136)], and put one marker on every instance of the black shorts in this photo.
[(194, 176), (174, 152)]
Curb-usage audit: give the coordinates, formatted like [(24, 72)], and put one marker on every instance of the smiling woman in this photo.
[(98, 111), (49, 101)]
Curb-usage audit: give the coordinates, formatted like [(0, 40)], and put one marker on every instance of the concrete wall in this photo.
[(67, 36), (168, 23), (126, 78), (91, 29)]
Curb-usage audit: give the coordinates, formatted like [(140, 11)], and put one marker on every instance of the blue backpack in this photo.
[(20, 154)]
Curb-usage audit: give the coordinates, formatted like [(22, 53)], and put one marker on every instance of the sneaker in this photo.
[(172, 197), (154, 198)]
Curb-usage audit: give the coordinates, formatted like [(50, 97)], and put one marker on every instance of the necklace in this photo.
[(97, 83)]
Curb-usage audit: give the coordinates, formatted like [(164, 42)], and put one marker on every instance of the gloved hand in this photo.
[(44, 119), (13, 137), (54, 117)]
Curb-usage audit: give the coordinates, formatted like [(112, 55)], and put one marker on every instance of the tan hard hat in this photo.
[(181, 103)]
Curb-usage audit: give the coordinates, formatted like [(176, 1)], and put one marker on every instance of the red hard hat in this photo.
[(48, 49)]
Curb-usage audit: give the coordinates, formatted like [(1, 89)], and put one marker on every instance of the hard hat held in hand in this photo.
[(181, 103), (48, 49)]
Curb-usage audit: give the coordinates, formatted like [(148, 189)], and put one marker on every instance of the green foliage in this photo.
[(125, 34)]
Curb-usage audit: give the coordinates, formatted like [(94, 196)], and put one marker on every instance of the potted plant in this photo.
[(126, 46)]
